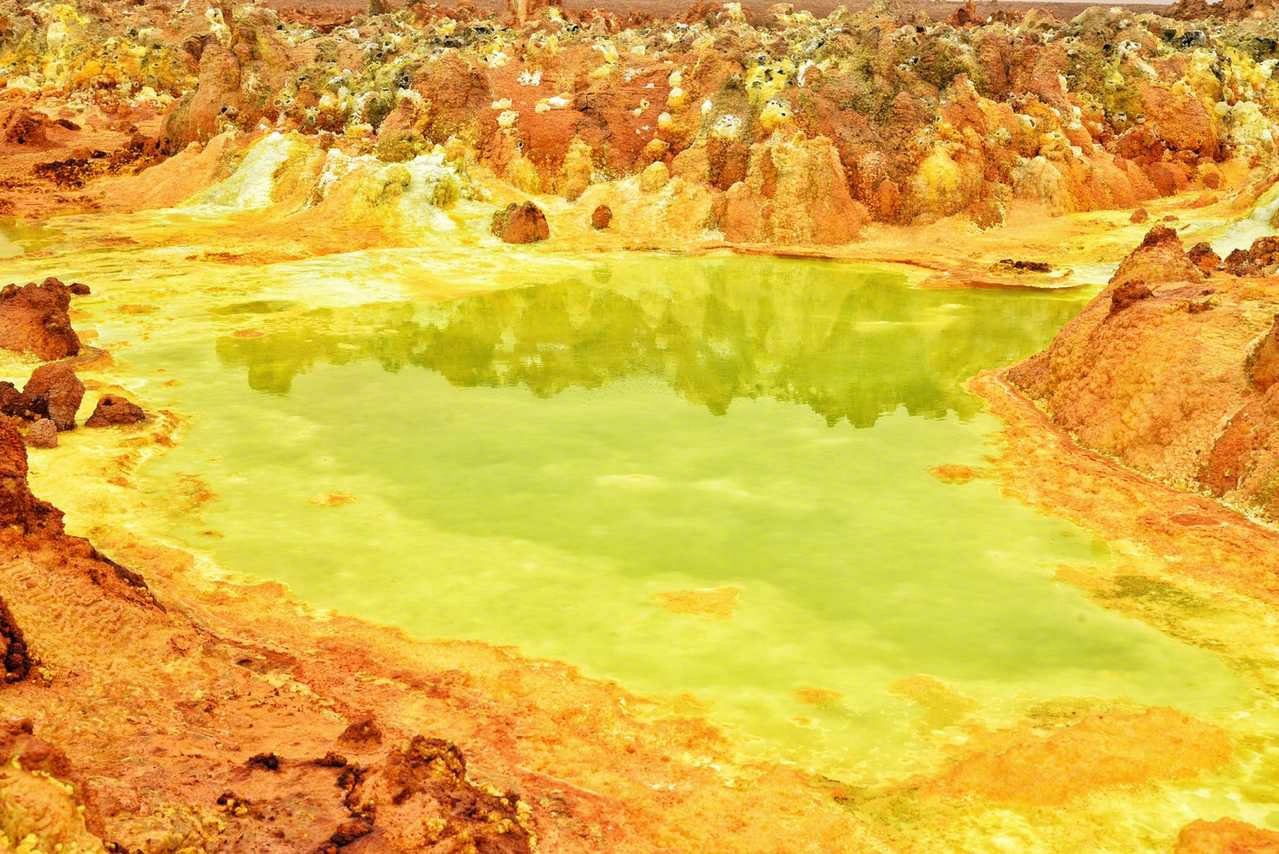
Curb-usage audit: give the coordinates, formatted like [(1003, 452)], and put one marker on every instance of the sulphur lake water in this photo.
[(708, 478)]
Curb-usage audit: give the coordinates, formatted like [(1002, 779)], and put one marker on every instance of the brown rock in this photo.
[(1139, 216), (12, 401), (14, 656), (362, 734), (1160, 258), (424, 786), (112, 409), (351, 830), (34, 319), (1264, 253), (18, 507), (19, 741), (1178, 381), (1202, 256), (1240, 263), (55, 390), (518, 223), (601, 217), (42, 433), (1128, 293)]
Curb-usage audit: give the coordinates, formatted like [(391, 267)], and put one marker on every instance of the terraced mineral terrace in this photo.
[(640, 429)]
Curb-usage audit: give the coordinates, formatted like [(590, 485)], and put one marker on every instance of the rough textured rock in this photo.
[(19, 509), (55, 390), (1174, 373), (1160, 258), (34, 319), (601, 217), (520, 223), (795, 192), (14, 656), (421, 798), (42, 433), (112, 409)]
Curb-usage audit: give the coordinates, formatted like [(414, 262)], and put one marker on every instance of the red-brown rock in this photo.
[(112, 409), (601, 217), (18, 507), (15, 659), (34, 319), (42, 433), (1202, 256), (55, 390), (518, 223)]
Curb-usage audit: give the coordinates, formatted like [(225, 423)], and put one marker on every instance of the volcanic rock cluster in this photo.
[(781, 128)]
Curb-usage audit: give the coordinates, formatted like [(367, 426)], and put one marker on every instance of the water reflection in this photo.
[(850, 344)]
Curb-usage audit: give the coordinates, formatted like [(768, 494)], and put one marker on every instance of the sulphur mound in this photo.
[(1172, 369)]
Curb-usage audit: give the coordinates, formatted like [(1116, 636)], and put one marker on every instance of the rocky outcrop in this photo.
[(1173, 371), (520, 223), (55, 391), (795, 192), (242, 70), (927, 120), (19, 509), (34, 319), (1225, 836), (113, 410), (601, 217), (420, 795), (1160, 258)]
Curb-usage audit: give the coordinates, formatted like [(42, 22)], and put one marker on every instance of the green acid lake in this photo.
[(697, 476)]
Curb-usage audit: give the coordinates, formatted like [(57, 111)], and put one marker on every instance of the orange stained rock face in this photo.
[(1171, 371), (1226, 836)]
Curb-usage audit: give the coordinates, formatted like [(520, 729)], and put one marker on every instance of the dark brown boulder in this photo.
[(1202, 256), (1240, 263), (601, 217), (518, 223), (34, 319), (15, 659), (112, 409), (55, 390), (1128, 293), (12, 401), (362, 734), (1264, 253)]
